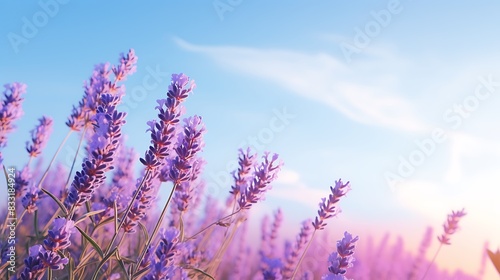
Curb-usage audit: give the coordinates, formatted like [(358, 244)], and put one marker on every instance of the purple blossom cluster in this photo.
[(341, 260), (105, 222), (39, 137), (328, 207), (186, 167), (293, 255), (48, 255), (10, 111), (103, 145), (99, 84), (263, 176), (451, 226), (162, 266), (163, 132)]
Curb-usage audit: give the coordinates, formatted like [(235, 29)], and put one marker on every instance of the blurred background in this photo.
[(400, 98)]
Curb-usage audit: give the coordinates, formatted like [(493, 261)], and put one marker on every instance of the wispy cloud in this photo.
[(463, 148), (324, 79), (290, 186)]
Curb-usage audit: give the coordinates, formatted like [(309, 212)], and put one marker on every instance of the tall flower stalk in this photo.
[(181, 172), (328, 208), (104, 143), (10, 111), (341, 260), (450, 227)]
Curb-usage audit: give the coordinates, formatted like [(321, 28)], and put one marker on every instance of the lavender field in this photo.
[(327, 151)]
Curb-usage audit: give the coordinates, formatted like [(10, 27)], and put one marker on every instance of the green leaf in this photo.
[(115, 212), (181, 228), (101, 264), (144, 230), (71, 268), (140, 272), (88, 214), (103, 222), (202, 272), (122, 264), (91, 241), (59, 203)]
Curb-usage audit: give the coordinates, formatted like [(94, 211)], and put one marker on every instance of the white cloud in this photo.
[(287, 176), (289, 186), (322, 78)]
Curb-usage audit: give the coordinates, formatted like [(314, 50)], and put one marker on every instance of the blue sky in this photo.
[(356, 116)]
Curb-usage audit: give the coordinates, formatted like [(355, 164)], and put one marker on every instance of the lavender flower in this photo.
[(343, 259), (163, 133), (273, 236), (264, 175), (39, 137), (296, 251), (186, 168), (451, 226), (268, 246), (119, 189), (103, 145), (127, 65), (272, 269), (98, 85), (52, 260), (30, 199), (10, 111), (34, 268), (334, 277), (144, 200), (424, 246), (22, 181), (58, 236), (42, 257), (328, 208), (246, 162), (163, 263)]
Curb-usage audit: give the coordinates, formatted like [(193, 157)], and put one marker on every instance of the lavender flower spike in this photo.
[(31, 198), (343, 259), (162, 132), (246, 162), (39, 137), (163, 265), (42, 257), (451, 226), (264, 175), (186, 167), (103, 145), (10, 111), (292, 258), (127, 65), (34, 268), (58, 236), (328, 208)]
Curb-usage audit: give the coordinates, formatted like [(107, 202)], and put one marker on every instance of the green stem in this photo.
[(53, 158), (155, 230), (35, 222), (303, 255), (433, 259), (113, 239), (76, 156), (212, 224), (49, 274), (216, 260)]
